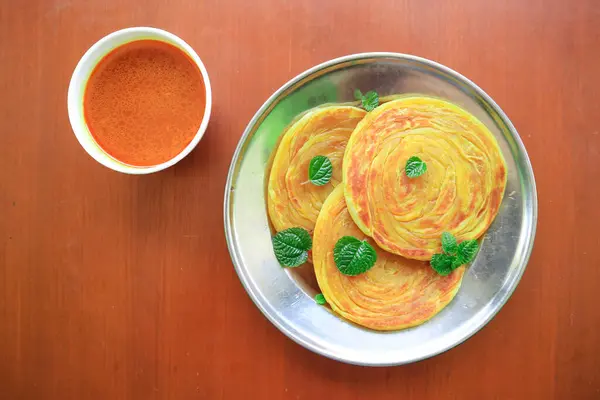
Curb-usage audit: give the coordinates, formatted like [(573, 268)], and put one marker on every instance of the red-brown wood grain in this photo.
[(121, 287)]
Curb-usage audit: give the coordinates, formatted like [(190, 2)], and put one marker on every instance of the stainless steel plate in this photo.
[(285, 296)]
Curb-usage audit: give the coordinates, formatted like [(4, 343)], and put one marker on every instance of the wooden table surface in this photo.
[(121, 287)]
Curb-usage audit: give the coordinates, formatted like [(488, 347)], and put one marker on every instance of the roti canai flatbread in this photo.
[(293, 201), (460, 192), (396, 293)]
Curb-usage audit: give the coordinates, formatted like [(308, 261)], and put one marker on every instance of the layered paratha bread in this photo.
[(396, 293), (460, 192), (292, 200)]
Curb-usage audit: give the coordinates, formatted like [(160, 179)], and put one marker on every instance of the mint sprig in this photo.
[(415, 167), (320, 299), (291, 246), (320, 170), (454, 255), (352, 256), (369, 100)]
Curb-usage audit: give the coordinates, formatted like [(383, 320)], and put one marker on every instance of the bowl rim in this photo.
[(251, 127)]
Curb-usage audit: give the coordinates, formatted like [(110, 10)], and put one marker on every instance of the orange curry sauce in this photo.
[(144, 102)]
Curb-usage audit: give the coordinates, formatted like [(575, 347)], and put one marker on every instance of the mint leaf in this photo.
[(415, 167), (320, 170), (449, 243), (358, 94), (370, 100), (467, 250), (291, 246), (442, 263), (353, 256), (457, 262), (320, 299)]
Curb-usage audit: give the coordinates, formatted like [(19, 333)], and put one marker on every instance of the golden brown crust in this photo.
[(291, 199), (396, 293), (460, 193)]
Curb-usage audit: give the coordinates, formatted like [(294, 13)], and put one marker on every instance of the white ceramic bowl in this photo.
[(82, 73)]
